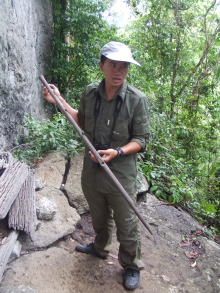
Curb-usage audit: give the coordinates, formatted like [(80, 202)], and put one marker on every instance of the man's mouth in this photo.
[(116, 79)]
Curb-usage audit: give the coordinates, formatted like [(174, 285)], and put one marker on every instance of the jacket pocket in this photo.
[(121, 131)]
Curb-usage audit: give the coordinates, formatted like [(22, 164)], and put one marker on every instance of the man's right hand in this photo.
[(48, 96)]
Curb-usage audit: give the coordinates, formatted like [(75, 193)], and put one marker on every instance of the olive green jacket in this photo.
[(131, 125)]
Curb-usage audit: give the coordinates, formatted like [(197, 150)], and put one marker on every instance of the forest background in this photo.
[(177, 43)]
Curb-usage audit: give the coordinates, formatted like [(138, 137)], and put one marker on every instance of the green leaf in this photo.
[(158, 193), (153, 188), (171, 199), (213, 169), (164, 196), (218, 72), (210, 208)]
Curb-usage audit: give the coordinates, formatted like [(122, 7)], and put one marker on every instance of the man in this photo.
[(114, 117)]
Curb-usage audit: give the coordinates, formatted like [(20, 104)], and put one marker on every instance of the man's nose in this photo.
[(116, 69)]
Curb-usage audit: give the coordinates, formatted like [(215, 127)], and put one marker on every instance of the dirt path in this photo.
[(168, 266)]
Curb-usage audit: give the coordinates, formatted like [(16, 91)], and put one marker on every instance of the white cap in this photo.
[(118, 51)]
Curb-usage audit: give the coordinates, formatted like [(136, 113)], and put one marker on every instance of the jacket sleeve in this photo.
[(81, 111), (140, 124)]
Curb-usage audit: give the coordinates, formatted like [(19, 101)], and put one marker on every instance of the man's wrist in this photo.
[(120, 153), (61, 99), (116, 153)]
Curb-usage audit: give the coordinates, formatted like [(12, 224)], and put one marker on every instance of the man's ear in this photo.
[(101, 65)]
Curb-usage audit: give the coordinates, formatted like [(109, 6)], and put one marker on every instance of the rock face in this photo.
[(141, 184), (19, 289), (26, 28), (51, 171)]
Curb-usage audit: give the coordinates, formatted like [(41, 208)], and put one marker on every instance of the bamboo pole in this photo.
[(95, 153)]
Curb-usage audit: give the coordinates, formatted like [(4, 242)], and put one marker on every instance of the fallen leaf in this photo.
[(193, 264), (199, 232), (100, 266), (185, 244), (196, 242), (45, 181), (110, 263), (191, 254)]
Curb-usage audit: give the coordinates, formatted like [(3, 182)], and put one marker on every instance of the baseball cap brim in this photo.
[(120, 57)]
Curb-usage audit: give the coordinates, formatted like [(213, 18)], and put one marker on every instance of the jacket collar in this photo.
[(120, 92)]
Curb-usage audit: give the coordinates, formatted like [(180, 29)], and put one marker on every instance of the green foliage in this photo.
[(164, 167), (177, 43), (178, 50), (82, 22), (179, 177), (43, 137)]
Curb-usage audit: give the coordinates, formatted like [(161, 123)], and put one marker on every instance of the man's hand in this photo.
[(107, 155), (48, 96)]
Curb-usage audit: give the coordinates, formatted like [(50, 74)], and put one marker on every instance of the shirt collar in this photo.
[(120, 92)]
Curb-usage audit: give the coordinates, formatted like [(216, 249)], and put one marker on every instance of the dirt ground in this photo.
[(178, 258)]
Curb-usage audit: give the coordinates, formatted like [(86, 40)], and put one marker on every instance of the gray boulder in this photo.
[(45, 209)]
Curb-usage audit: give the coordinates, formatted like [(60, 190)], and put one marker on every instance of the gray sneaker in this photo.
[(131, 279), (89, 249)]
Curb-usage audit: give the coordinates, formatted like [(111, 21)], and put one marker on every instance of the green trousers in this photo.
[(105, 209)]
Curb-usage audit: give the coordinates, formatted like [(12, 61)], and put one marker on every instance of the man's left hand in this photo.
[(106, 155)]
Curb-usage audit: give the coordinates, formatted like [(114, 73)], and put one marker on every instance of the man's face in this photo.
[(114, 72)]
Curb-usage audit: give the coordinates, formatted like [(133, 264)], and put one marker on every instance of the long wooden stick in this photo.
[(95, 153)]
